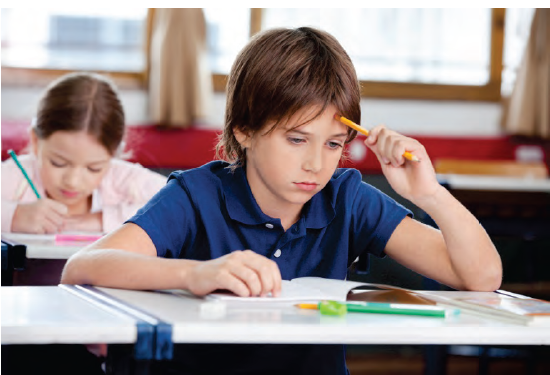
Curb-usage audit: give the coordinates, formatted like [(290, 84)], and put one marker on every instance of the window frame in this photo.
[(369, 89)]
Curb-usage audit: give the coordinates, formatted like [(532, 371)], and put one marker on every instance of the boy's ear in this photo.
[(242, 137)]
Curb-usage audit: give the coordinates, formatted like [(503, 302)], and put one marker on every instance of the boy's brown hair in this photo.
[(280, 72), (82, 101)]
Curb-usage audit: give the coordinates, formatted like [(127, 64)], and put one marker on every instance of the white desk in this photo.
[(44, 246), (495, 183), (44, 315), (284, 323), (53, 315), (40, 260)]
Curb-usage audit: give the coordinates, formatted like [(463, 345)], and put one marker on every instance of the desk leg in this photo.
[(435, 359), (121, 361)]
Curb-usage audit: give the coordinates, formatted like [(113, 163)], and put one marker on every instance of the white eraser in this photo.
[(212, 310)]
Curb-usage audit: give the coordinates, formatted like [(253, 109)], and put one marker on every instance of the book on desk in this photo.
[(508, 307), (504, 306)]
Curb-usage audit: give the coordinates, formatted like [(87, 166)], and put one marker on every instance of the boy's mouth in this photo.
[(306, 186)]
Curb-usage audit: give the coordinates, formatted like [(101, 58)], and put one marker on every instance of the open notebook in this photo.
[(502, 306), (305, 289)]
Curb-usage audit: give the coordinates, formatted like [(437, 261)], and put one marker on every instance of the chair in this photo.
[(512, 213), (504, 213), (519, 214)]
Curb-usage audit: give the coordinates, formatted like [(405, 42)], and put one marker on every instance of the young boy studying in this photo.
[(279, 208), (72, 180)]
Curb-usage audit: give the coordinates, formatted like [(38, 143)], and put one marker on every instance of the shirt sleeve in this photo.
[(11, 180), (374, 219), (8, 210), (168, 219), (136, 185)]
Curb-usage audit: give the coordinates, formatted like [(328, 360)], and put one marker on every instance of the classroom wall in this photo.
[(420, 117), (440, 118)]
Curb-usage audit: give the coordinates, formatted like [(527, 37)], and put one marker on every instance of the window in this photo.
[(418, 53), (95, 39), (228, 30), (404, 45)]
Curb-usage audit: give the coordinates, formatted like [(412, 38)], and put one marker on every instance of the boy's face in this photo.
[(288, 166), (71, 165)]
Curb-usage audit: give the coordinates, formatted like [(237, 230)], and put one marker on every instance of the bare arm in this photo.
[(461, 253), (127, 258), (462, 257)]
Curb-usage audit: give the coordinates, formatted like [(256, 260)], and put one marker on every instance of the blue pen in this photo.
[(14, 157)]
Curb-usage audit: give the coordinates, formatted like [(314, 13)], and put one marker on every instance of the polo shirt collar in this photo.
[(242, 206)]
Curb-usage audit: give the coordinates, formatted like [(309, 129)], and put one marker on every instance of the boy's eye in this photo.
[(94, 170), (334, 145), (296, 140)]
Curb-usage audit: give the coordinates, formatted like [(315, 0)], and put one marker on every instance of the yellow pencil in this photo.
[(310, 306), (407, 155)]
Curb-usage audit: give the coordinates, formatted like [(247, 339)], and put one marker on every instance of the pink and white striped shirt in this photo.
[(123, 190)]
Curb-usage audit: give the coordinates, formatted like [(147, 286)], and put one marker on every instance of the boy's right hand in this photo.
[(40, 217), (244, 273)]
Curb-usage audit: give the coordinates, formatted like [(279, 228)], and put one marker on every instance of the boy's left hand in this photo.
[(412, 180)]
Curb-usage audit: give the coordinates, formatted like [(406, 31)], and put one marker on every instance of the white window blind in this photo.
[(91, 39), (424, 45)]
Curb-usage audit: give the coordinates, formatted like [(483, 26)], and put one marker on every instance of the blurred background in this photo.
[(424, 70), (471, 84)]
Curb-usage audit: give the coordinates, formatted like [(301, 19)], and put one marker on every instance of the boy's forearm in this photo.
[(473, 256), (127, 270)]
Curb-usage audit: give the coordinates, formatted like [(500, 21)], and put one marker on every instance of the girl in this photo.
[(280, 208), (77, 133)]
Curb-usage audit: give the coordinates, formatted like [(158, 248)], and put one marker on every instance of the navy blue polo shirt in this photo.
[(207, 212)]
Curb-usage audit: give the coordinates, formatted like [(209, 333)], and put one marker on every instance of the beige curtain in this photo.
[(528, 109), (180, 81)]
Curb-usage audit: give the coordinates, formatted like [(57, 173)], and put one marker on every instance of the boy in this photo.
[(283, 197)]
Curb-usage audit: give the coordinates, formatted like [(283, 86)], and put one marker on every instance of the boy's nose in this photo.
[(314, 160)]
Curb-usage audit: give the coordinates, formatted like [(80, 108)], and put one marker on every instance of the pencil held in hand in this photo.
[(407, 155), (16, 160)]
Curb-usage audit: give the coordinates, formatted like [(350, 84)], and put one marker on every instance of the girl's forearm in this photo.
[(472, 254), (90, 222)]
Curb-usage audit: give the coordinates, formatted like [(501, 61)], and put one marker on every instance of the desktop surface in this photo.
[(198, 320)]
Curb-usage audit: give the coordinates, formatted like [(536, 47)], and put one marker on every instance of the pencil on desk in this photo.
[(16, 160), (407, 155), (335, 308)]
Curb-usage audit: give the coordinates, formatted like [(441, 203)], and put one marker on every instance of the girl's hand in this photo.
[(84, 223), (412, 180), (40, 217), (244, 273)]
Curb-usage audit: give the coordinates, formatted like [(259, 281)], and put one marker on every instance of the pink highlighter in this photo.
[(77, 237)]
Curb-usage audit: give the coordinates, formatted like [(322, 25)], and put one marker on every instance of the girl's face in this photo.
[(71, 166), (288, 166)]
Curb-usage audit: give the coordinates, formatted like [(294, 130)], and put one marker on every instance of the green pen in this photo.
[(14, 157), (340, 308)]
